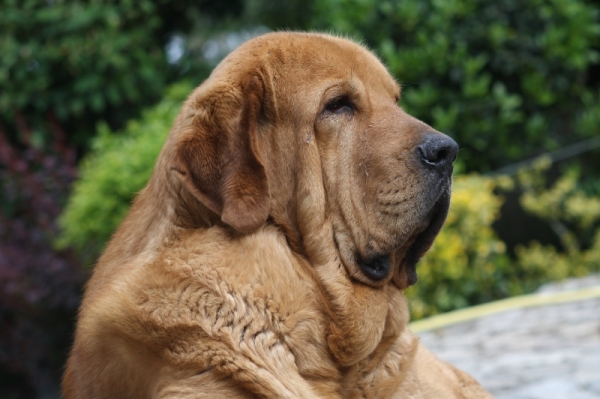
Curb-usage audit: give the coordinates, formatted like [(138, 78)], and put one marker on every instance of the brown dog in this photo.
[(268, 253)]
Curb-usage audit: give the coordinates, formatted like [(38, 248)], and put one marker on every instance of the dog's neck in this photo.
[(362, 317), (160, 210)]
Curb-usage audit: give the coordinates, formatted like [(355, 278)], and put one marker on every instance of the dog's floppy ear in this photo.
[(217, 156)]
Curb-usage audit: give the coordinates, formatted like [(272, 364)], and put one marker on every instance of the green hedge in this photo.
[(118, 166)]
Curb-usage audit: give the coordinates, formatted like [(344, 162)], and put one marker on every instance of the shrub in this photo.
[(77, 62), (467, 263), (572, 214), (70, 62), (118, 166)]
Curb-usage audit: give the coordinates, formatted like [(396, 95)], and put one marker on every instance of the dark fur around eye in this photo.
[(340, 105)]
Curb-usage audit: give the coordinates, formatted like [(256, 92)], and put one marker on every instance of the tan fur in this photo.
[(235, 273)]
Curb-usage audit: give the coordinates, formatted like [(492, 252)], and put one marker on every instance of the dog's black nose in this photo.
[(437, 150)]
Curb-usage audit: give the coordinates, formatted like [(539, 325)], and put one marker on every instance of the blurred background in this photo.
[(89, 90)]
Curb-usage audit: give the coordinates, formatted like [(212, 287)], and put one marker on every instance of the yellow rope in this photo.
[(523, 301)]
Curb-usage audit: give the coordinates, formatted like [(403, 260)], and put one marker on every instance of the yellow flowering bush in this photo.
[(467, 262), (572, 214)]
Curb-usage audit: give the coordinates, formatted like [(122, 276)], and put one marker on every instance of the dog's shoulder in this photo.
[(216, 300)]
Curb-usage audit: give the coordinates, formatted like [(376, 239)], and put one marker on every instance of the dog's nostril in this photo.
[(438, 150), (441, 155)]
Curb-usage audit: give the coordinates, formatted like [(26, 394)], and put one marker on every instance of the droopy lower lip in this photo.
[(425, 238), (376, 268)]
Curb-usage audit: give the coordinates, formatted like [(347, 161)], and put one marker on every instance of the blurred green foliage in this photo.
[(68, 64), (507, 79), (66, 61), (118, 166)]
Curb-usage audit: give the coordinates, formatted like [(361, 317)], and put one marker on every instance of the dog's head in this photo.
[(305, 130)]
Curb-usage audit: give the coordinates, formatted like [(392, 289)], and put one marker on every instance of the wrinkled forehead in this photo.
[(309, 59)]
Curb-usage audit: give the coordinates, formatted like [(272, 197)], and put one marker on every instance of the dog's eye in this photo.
[(340, 105)]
